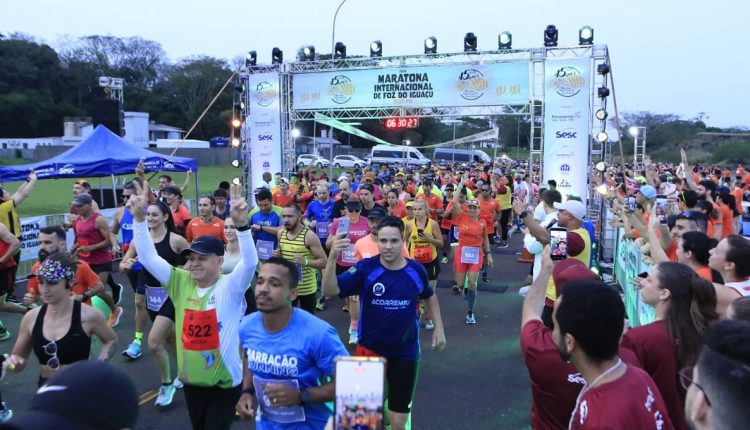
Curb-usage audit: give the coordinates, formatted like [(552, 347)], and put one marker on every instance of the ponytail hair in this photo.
[(692, 306)]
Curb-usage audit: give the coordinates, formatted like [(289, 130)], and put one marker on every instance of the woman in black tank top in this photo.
[(160, 308), (59, 332)]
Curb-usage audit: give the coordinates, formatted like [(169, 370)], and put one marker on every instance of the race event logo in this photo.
[(67, 169), (568, 81), (566, 134), (168, 165), (341, 89), (266, 165), (265, 93), (471, 84), (565, 169), (378, 289)]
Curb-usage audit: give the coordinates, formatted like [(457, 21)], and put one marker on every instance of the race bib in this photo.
[(455, 232), (470, 255), (321, 229), (279, 414), (347, 255), (200, 330), (265, 249), (423, 254), (83, 242), (155, 298)]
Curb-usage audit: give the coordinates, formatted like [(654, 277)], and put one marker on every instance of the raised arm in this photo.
[(243, 273), (147, 255), (534, 301), (23, 191)]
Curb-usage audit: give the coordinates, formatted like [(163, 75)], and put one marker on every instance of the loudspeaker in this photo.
[(110, 114)]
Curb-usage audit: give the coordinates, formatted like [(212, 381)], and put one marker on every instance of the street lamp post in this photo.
[(333, 51)]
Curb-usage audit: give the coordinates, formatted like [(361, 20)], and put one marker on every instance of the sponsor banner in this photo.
[(264, 125), (30, 236), (459, 85), (567, 113)]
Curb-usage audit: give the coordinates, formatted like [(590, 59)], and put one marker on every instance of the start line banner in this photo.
[(422, 86)]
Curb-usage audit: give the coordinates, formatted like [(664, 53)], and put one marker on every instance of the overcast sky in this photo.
[(668, 56)]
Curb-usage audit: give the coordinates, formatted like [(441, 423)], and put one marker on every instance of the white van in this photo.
[(451, 155), (390, 155)]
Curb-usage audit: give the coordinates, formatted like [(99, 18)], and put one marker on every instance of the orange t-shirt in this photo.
[(727, 218), (470, 232), (282, 200), (433, 202), (487, 210), (400, 210), (705, 273), (672, 252), (737, 193), (197, 228), (366, 248), (86, 279)]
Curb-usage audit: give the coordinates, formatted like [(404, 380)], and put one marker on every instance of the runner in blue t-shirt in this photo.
[(319, 213), (287, 356), (265, 222), (389, 287)]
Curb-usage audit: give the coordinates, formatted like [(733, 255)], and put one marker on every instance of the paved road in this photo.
[(478, 382)]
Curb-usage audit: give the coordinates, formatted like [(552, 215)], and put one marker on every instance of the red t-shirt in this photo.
[(470, 232), (555, 384), (657, 354), (631, 401), (433, 202), (357, 231), (282, 200), (727, 221), (197, 228)]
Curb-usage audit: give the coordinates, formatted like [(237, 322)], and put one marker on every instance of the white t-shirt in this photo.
[(742, 287)]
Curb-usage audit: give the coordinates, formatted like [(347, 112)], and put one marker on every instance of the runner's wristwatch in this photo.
[(245, 227)]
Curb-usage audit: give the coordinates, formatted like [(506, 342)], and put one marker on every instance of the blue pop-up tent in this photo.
[(101, 154)]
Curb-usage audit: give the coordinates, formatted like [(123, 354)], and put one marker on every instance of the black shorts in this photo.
[(433, 269), (137, 279), (101, 267), (167, 310), (401, 378)]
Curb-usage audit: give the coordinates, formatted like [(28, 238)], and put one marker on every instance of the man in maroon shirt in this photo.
[(717, 393), (554, 383), (589, 318)]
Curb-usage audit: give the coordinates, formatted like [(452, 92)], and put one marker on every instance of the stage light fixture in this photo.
[(602, 136), (601, 114), (296, 133), (601, 166), (251, 59), (504, 40), (586, 35), (603, 92), (235, 163), (339, 50), (633, 131), (236, 123), (237, 180), (550, 36), (376, 49), (470, 42), (430, 45), (603, 69), (602, 189), (277, 56), (236, 142), (308, 53), (239, 105)]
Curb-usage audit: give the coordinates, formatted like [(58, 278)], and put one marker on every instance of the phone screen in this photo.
[(360, 383), (631, 204), (559, 243), (343, 227), (661, 203)]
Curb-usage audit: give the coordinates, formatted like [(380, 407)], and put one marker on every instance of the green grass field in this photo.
[(53, 196)]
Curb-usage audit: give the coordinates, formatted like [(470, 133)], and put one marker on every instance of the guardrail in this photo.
[(628, 263)]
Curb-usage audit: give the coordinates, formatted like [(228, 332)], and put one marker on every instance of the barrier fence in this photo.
[(628, 263)]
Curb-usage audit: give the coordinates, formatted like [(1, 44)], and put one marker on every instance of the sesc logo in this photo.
[(168, 165), (67, 169), (566, 134), (262, 137)]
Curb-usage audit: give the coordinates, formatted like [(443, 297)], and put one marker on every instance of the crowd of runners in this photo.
[(257, 279)]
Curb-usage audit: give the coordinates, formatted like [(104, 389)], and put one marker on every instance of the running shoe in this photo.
[(114, 317), (166, 394), (353, 337), (4, 333), (503, 244), (177, 383), (320, 306), (429, 325), (5, 413), (345, 308), (456, 290), (117, 294), (133, 351), (470, 319), (444, 260), (524, 290), (484, 277)]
